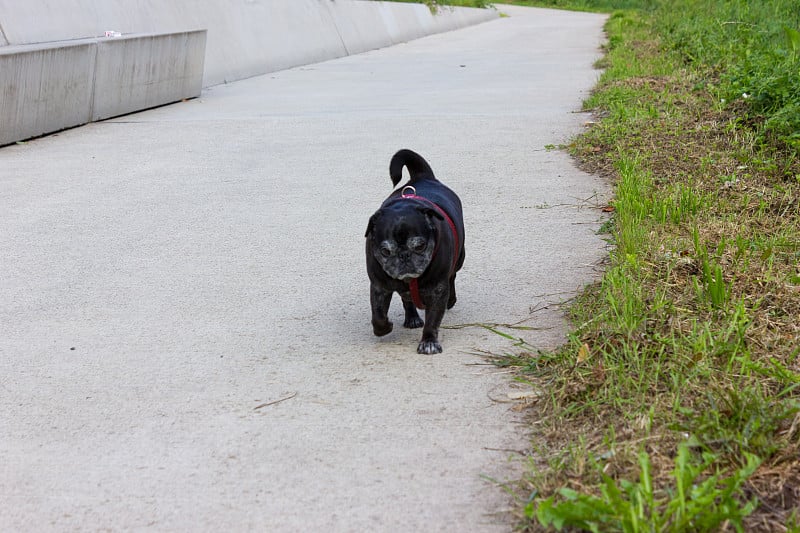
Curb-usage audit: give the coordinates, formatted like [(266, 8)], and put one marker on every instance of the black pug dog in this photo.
[(415, 246)]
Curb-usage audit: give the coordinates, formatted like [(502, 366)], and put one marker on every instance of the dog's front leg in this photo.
[(380, 299), (434, 313)]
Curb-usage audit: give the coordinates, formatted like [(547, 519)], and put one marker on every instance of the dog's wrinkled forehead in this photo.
[(400, 223), (407, 228)]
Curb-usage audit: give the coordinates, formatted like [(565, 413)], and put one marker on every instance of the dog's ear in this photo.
[(372, 220), (430, 212)]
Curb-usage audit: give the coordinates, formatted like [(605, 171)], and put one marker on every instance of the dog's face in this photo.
[(403, 238)]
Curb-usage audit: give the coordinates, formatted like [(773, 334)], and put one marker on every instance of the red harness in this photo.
[(414, 284)]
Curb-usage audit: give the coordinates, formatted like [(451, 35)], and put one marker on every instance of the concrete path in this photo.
[(184, 321)]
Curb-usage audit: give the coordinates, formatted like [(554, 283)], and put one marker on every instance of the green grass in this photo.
[(681, 379), (694, 501), (602, 6)]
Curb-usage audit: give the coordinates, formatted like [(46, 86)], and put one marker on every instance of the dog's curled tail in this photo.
[(418, 168)]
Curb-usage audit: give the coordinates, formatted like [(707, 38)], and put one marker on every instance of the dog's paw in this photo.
[(429, 347), (412, 322), (382, 328)]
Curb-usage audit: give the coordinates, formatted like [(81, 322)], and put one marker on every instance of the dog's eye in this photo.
[(386, 251), (417, 245)]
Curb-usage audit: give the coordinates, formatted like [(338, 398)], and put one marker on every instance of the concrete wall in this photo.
[(47, 87), (55, 73), (245, 37), (142, 71)]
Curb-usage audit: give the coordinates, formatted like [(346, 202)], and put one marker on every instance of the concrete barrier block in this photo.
[(449, 18), (360, 26), (135, 72), (45, 88), (403, 20), (268, 35)]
